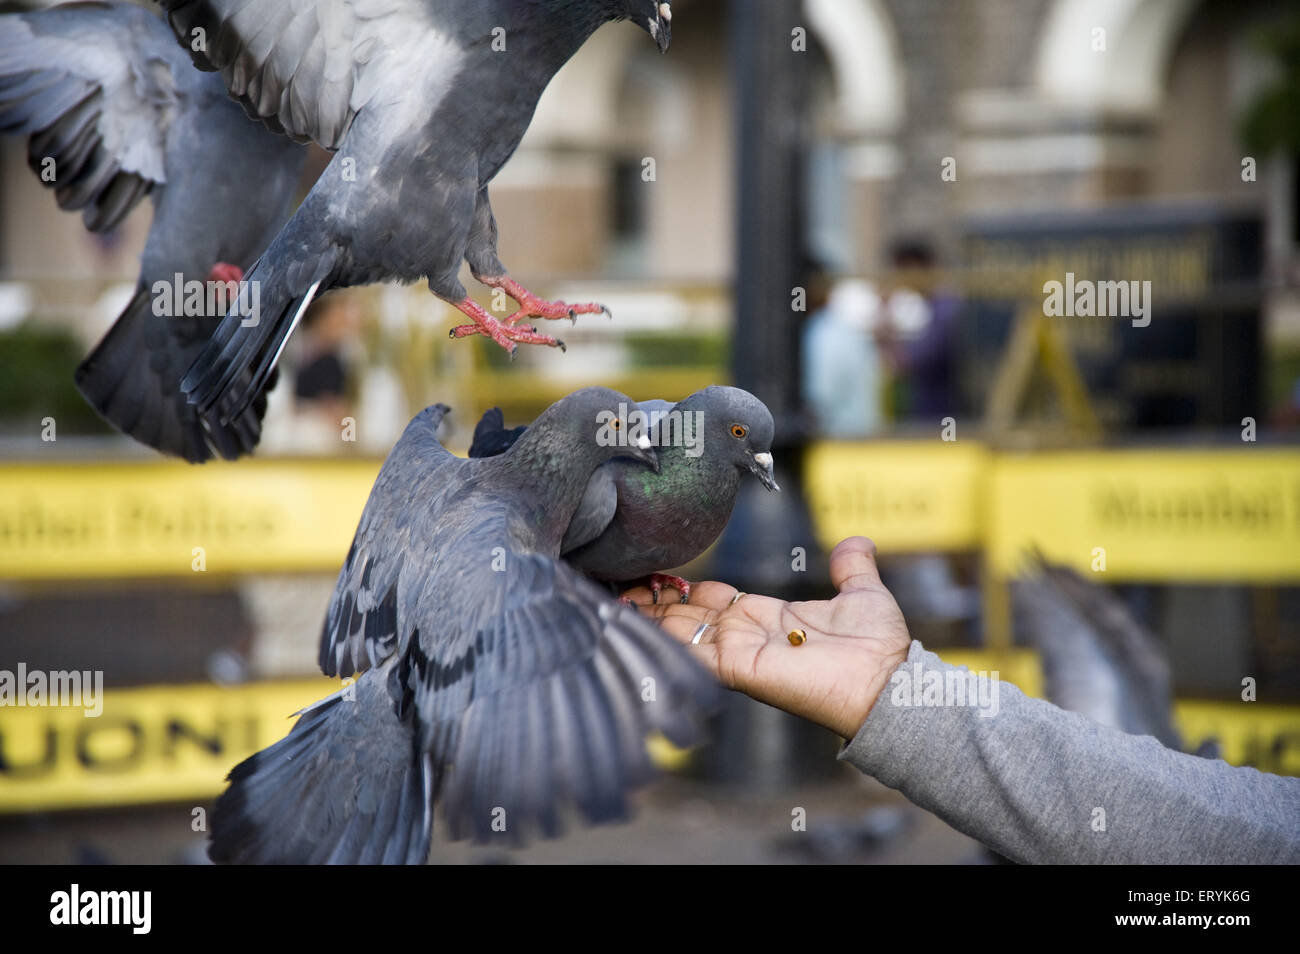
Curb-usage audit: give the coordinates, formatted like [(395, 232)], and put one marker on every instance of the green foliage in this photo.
[(1272, 121), (36, 368)]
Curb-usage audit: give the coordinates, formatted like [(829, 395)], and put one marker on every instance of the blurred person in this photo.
[(841, 367), (321, 378), (1029, 780), (916, 334)]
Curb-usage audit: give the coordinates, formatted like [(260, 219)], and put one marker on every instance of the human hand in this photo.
[(854, 641)]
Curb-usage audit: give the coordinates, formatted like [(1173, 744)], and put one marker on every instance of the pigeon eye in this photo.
[(739, 430), (616, 424)]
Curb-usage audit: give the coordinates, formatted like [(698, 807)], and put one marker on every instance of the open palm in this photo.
[(854, 641)]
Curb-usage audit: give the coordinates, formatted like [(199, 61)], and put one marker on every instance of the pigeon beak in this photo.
[(644, 451), (762, 469), (660, 27)]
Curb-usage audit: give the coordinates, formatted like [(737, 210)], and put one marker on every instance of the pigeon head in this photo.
[(653, 16), (597, 420), (738, 429)]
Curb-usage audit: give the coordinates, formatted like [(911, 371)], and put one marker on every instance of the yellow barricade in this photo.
[(164, 518)]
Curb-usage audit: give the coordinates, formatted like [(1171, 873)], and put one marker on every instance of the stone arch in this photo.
[(862, 47), (1128, 77)]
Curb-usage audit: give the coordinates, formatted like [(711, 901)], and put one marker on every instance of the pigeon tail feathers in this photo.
[(347, 785), (135, 388), (235, 366)]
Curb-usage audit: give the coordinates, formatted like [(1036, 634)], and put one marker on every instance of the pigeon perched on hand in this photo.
[(423, 101), (495, 679), (633, 522), (115, 111)]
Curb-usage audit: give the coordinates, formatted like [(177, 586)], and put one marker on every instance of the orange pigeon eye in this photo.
[(738, 430), (616, 424)]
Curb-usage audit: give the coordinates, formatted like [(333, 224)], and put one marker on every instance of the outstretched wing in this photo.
[(535, 690), (361, 627), (93, 87), (306, 67)]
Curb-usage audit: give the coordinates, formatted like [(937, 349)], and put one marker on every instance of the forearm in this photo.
[(1039, 784)]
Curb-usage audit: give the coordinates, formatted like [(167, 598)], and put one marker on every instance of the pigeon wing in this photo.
[(535, 691), (306, 67), (361, 626), (95, 89)]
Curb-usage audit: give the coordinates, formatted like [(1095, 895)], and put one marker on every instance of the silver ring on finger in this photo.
[(699, 632)]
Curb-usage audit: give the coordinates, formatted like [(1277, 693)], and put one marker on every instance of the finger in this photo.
[(690, 612), (853, 565), (683, 629)]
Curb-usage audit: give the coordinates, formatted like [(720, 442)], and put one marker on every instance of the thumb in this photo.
[(853, 565)]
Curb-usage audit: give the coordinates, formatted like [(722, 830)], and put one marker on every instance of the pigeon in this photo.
[(1097, 660), (633, 522), (422, 102), (114, 111), (495, 680)]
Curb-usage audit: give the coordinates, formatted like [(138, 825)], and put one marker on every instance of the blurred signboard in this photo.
[(88, 521), (1192, 359), (1148, 515)]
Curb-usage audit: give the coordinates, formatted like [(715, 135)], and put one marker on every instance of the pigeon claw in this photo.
[(226, 273), (530, 306), (506, 335), (659, 580)]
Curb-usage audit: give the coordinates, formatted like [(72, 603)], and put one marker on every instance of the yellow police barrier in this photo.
[(1152, 515), (177, 743), (159, 744), (163, 518), (162, 743), (907, 496), (1213, 515)]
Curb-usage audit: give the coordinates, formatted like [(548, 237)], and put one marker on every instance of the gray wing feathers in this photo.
[(564, 690), (93, 88), (361, 626), (304, 68)]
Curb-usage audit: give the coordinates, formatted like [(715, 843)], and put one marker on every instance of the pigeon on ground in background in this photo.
[(633, 522), (1097, 660), (496, 680), (422, 101), (114, 111)]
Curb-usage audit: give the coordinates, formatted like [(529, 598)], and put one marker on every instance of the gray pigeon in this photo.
[(632, 522), (423, 101), (115, 111), (1097, 659), (495, 679)]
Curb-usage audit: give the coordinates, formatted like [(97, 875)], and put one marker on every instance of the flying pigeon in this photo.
[(1097, 659), (633, 522), (114, 111), (495, 679), (422, 102)]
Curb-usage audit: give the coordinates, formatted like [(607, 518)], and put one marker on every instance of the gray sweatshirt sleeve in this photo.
[(1041, 785)]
